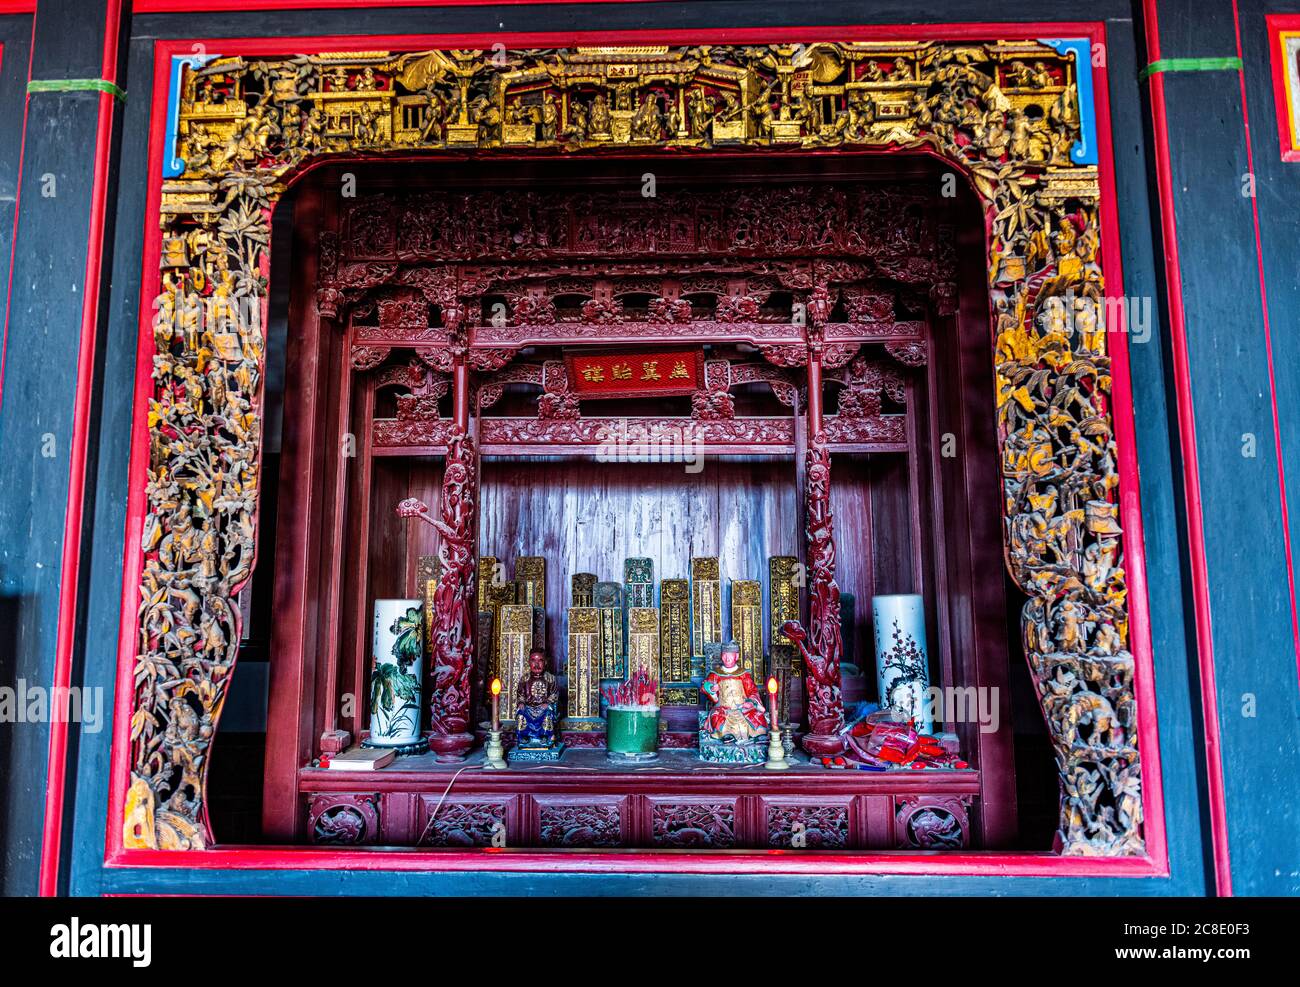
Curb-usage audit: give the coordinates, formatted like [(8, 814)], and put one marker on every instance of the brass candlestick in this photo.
[(495, 753), (775, 749)]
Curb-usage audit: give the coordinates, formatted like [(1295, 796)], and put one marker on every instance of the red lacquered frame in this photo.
[(1278, 26), (245, 6), (1154, 864)]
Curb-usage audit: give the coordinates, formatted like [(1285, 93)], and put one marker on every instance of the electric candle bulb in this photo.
[(775, 752), (496, 699)]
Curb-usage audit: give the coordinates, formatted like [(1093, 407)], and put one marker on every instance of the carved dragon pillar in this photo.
[(824, 646), (454, 605)]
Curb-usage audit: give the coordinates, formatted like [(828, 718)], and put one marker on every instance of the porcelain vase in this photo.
[(397, 649), (902, 664)]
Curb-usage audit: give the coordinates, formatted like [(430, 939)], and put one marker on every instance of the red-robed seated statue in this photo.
[(731, 729)]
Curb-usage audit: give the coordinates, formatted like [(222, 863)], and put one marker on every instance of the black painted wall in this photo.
[(47, 293), (1232, 392), (17, 846)]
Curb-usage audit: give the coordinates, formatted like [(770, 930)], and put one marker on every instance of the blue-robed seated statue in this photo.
[(537, 713)]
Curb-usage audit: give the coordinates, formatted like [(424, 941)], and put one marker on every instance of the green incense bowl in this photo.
[(632, 734)]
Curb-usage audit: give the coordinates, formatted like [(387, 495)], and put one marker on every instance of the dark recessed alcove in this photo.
[(913, 520)]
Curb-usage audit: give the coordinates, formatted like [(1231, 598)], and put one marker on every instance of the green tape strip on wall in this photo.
[(1190, 65), (76, 86)]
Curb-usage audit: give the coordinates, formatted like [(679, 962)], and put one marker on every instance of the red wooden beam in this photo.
[(70, 565), (245, 6), (1268, 336)]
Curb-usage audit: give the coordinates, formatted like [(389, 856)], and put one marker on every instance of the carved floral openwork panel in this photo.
[(1005, 114), (568, 265)]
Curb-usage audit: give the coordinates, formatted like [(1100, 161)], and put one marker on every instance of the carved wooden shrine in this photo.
[(443, 327)]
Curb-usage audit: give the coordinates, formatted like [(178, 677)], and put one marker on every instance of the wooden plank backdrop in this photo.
[(588, 516)]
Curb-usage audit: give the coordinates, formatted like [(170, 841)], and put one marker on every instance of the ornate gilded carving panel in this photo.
[(247, 126)]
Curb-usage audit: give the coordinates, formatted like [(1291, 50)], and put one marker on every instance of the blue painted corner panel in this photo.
[(1085, 149), (173, 163)]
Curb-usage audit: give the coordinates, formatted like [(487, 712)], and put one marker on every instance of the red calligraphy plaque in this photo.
[(632, 374)]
